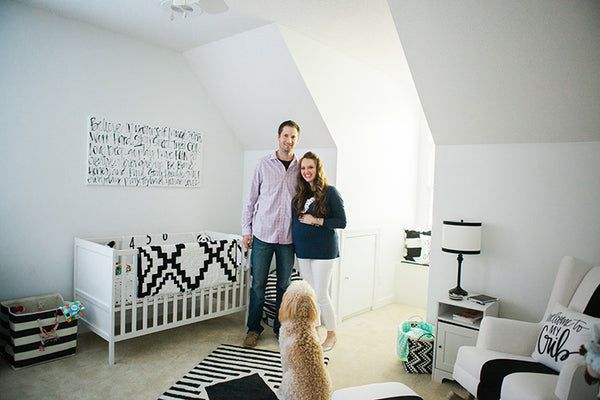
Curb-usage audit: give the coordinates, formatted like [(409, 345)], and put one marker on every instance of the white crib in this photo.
[(112, 309)]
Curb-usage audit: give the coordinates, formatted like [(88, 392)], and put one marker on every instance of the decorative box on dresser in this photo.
[(451, 334)]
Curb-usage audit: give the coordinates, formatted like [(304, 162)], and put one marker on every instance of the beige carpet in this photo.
[(147, 366)]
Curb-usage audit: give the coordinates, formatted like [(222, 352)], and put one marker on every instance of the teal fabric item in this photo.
[(411, 329)]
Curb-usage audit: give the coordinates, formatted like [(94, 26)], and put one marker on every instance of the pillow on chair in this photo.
[(561, 336)]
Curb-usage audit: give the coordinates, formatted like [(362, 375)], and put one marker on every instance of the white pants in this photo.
[(318, 274)]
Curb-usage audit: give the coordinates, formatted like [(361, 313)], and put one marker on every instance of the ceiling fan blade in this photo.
[(213, 6)]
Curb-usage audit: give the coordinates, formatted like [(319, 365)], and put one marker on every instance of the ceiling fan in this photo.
[(185, 7)]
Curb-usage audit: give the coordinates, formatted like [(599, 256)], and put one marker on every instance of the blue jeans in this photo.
[(262, 254)]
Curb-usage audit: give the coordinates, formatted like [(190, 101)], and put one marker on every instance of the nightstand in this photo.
[(451, 334)]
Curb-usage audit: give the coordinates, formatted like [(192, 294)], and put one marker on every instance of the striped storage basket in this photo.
[(34, 331)]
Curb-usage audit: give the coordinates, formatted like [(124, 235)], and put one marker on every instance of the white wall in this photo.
[(54, 73), (537, 202), (375, 122), (425, 168), (502, 75), (256, 85)]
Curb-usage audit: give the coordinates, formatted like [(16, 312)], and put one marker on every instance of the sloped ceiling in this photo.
[(363, 29), (256, 84), (516, 71), (487, 71), (243, 62)]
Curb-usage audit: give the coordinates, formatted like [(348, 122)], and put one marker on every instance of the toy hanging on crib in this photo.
[(72, 310)]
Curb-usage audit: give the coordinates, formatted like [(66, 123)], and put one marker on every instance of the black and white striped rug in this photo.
[(227, 363)]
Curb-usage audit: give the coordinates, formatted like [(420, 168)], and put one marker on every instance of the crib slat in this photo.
[(145, 313), (239, 276), (243, 267), (165, 309), (122, 322), (175, 301), (134, 308), (227, 292), (123, 300), (243, 285), (234, 293), (239, 289), (154, 311), (184, 306), (194, 308)]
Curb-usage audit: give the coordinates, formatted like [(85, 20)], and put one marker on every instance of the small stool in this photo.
[(374, 391)]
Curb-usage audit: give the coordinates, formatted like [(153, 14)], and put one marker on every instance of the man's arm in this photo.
[(249, 206)]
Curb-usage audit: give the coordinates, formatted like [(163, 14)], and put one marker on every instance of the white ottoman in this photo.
[(376, 391)]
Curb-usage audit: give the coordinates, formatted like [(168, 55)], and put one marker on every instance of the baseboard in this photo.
[(384, 302)]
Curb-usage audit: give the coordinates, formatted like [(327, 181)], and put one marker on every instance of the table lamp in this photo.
[(460, 238)]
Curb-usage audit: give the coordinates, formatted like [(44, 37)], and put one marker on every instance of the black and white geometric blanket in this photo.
[(172, 268), (230, 364)]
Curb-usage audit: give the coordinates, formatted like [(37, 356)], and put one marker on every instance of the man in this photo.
[(267, 225)]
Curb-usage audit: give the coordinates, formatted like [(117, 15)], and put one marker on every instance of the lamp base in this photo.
[(456, 297), (457, 293)]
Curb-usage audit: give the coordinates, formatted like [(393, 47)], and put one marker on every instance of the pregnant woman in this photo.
[(318, 210)]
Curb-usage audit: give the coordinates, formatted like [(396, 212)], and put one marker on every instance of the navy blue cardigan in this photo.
[(320, 242)]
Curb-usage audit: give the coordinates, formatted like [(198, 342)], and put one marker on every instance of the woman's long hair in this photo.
[(304, 192)]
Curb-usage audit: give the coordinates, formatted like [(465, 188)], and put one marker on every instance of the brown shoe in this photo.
[(251, 339)]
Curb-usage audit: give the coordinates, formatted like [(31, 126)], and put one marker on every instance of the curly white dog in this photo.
[(302, 361)]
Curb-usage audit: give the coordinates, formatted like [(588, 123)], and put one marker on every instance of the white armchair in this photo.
[(508, 339)]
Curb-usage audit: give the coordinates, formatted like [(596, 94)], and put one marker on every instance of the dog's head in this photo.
[(299, 302)]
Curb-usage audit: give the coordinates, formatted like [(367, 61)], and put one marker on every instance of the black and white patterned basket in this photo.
[(420, 355)]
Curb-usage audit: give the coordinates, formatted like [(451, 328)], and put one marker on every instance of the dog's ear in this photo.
[(313, 310), (285, 311)]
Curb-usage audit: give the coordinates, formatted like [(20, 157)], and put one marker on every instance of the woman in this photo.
[(318, 210)]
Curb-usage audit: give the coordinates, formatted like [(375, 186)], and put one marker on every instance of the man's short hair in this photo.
[(289, 123)]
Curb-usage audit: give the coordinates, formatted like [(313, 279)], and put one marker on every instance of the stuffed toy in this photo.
[(591, 351)]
